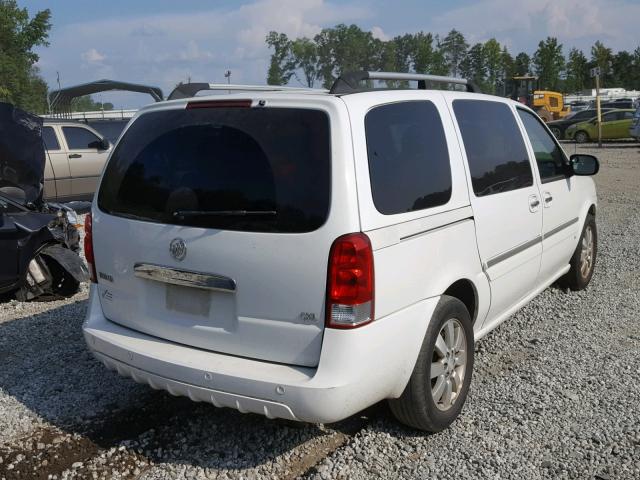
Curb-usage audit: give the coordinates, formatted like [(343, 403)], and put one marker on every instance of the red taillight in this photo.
[(88, 247), (350, 282), (219, 104)]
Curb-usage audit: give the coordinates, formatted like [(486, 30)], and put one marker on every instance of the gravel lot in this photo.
[(555, 394)]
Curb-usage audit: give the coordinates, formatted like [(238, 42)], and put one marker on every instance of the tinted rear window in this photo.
[(223, 160), (408, 157), (49, 138), (497, 156)]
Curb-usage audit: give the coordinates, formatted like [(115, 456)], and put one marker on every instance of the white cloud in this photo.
[(93, 56), (378, 33), (163, 49), (521, 25)]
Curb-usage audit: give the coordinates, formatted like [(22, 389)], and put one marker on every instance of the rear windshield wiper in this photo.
[(224, 213)]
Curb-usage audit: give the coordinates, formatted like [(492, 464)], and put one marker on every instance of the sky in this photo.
[(163, 42)]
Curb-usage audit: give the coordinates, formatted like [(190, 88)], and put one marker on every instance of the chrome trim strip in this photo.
[(422, 232), (514, 251), (520, 248), (74, 178), (187, 278), (559, 228)]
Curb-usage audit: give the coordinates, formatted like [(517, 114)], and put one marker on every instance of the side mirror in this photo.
[(584, 164), (102, 144)]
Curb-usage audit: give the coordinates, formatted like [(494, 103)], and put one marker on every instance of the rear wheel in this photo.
[(584, 258), (581, 137), (440, 381), (556, 132)]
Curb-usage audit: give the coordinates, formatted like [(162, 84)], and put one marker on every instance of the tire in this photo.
[(583, 260), (557, 132), (581, 136), (422, 405)]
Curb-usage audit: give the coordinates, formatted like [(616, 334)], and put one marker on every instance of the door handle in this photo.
[(548, 199), (75, 155), (534, 203)]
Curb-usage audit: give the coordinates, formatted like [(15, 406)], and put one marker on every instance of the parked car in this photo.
[(558, 127), (579, 105), (76, 155), (305, 255), (39, 242), (634, 130), (621, 103), (615, 124)]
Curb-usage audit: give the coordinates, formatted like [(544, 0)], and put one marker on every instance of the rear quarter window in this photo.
[(408, 157), (496, 152), (49, 138), (271, 163)]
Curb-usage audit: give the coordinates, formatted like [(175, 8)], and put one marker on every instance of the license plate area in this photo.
[(192, 301)]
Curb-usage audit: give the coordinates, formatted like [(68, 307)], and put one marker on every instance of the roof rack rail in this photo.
[(349, 82), (188, 90)]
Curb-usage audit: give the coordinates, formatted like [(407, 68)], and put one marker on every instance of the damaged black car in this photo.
[(39, 242)]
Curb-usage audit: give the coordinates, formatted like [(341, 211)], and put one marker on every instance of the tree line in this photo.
[(20, 80), (319, 60)]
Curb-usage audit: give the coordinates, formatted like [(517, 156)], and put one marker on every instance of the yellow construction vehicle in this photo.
[(547, 104)]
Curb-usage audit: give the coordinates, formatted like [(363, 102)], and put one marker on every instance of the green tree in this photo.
[(478, 65), (635, 78), (492, 52), (281, 65), (549, 63), (305, 58), (87, 104), (507, 72), (404, 46), (454, 47), (522, 65), (20, 82), (623, 70), (424, 57), (345, 48), (602, 57), (577, 71)]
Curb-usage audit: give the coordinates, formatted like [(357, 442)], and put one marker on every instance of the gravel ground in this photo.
[(555, 393)]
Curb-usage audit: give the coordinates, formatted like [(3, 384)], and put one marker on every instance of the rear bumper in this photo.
[(357, 368)]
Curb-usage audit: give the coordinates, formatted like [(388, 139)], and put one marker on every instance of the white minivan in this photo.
[(306, 254)]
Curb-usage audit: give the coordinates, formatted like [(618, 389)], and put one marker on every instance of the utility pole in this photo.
[(595, 73), (227, 75)]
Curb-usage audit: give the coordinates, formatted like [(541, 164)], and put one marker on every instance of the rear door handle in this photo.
[(534, 203), (75, 155), (548, 199)]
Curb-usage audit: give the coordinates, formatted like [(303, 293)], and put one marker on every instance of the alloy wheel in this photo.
[(448, 365), (586, 252)]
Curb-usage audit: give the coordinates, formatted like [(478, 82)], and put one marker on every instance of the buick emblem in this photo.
[(178, 249)]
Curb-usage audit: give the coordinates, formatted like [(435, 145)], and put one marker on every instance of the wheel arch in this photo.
[(465, 291)]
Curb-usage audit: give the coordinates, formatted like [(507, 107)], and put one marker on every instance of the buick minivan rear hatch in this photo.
[(211, 229)]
